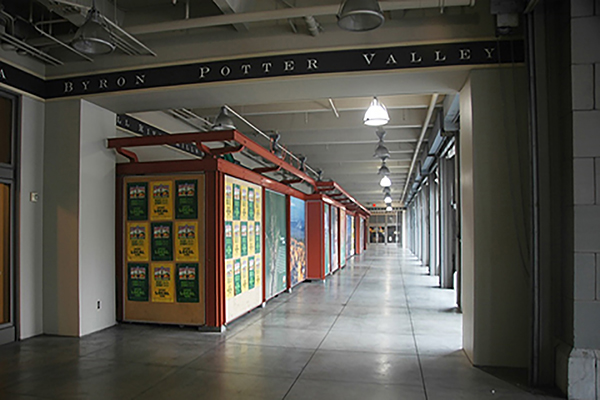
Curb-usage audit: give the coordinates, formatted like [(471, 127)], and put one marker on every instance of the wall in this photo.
[(31, 217), (61, 218), (96, 219), (495, 195)]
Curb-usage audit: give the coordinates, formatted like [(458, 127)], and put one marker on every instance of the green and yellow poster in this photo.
[(237, 211), (161, 206), (228, 240), (237, 241), (163, 285), (162, 241), (237, 276), (251, 239), (138, 248), (244, 204), (228, 201), (251, 273), (257, 271), (137, 282), (244, 238), (244, 274), (258, 204), (251, 209), (137, 201), (187, 283), (186, 244), (229, 289), (257, 238), (186, 199)]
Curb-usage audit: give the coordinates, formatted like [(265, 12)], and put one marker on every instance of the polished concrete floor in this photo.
[(379, 329)]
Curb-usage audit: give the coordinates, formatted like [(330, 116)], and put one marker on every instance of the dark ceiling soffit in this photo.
[(358, 60)]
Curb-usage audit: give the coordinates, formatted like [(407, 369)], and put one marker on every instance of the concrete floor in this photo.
[(376, 330)]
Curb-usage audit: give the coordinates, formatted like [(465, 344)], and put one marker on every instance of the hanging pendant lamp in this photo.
[(387, 199), (223, 121), (389, 208), (383, 170), (93, 37), (360, 15), (376, 114), (385, 181)]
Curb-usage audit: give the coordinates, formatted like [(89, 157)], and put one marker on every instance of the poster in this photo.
[(228, 201), (251, 239), (162, 241), (187, 283), (244, 204), (186, 244), (251, 273), (161, 208), (326, 224), (258, 203), (237, 276), (186, 199), (137, 282), (297, 241), (335, 243), (342, 238), (244, 274), (237, 211), (251, 209), (138, 248), (162, 283), (229, 289), (237, 241), (244, 238), (228, 240), (257, 238), (275, 243), (137, 201)]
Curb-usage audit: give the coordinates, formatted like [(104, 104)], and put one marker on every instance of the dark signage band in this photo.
[(140, 128), (381, 59)]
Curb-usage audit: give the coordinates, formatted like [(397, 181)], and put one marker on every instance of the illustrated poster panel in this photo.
[(161, 206), (162, 241), (243, 210), (326, 224), (137, 282), (163, 283), (187, 283), (138, 241), (348, 236), (186, 199), (186, 241), (342, 238), (275, 244), (297, 241), (137, 201), (335, 245)]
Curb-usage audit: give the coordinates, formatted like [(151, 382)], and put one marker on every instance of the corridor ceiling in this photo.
[(318, 116)]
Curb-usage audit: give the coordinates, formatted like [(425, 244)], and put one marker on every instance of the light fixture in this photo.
[(387, 190), (385, 181), (381, 151), (275, 146), (93, 37), (383, 170), (223, 121), (360, 15), (376, 114), (389, 208), (388, 199)]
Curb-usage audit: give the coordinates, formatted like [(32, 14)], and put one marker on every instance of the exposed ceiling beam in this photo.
[(228, 7)]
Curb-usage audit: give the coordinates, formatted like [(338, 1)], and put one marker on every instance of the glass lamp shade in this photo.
[(376, 114), (385, 181), (93, 37), (381, 151), (360, 15), (388, 199), (388, 208), (387, 191), (223, 122)]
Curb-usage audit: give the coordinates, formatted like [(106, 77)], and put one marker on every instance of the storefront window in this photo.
[(4, 253), (5, 130)]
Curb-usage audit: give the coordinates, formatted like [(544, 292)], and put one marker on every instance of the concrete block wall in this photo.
[(585, 74), (583, 380)]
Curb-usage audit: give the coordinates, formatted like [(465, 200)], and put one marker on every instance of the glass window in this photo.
[(4, 253), (6, 109)]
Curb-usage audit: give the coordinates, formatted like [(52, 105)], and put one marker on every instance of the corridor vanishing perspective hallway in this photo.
[(378, 329)]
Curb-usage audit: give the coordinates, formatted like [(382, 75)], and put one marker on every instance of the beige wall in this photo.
[(495, 217)]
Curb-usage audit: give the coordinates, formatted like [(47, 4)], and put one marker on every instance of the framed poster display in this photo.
[(297, 241), (243, 244), (163, 266), (275, 244), (328, 238)]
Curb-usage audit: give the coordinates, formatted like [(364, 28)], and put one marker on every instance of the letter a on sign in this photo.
[(2, 75)]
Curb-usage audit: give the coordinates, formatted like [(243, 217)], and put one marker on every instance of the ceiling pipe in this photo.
[(432, 104), (285, 13)]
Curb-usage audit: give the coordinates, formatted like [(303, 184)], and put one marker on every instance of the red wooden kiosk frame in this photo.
[(214, 169)]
